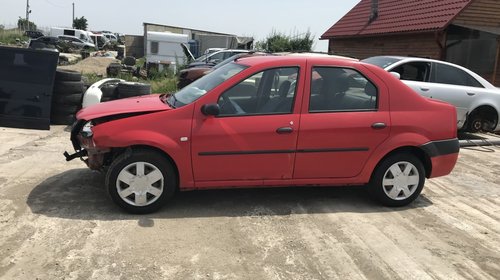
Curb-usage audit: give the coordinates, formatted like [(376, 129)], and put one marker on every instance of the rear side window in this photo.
[(446, 74), (341, 89)]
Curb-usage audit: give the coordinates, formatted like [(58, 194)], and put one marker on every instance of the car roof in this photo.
[(326, 60)]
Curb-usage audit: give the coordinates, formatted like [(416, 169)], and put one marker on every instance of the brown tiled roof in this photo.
[(397, 16)]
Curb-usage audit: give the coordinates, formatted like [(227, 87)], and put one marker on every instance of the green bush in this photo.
[(280, 42)]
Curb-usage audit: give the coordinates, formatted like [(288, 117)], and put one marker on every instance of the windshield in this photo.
[(203, 57), (381, 61), (198, 88)]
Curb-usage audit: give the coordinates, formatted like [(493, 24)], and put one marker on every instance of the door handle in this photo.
[(379, 125), (283, 130), (424, 89), (471, 93)]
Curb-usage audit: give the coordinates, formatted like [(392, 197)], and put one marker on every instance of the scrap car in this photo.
[(270, 121), (477, 101)]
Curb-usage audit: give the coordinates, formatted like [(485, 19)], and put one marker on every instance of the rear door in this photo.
[(455, 86), (345, 116), (26, 83)]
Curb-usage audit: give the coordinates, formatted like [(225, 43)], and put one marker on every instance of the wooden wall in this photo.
[(480, 13), (423, 45)]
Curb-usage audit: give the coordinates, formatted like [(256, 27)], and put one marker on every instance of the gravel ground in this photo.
[(56, 222), (92, 65)]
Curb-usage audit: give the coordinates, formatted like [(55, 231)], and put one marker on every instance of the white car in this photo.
[(477, 101)]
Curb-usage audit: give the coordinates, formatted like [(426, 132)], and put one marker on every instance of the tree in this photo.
[(80, 23), (24, 24), (280, 42)]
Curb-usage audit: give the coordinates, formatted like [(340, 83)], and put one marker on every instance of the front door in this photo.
[(254, 136)]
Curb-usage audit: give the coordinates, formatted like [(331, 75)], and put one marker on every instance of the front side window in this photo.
[(446, 74), (341, 89), (268, 92), (200, 87), (414, 71)]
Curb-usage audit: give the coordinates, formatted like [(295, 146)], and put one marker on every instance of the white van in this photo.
[(80, 34), (166, 48)]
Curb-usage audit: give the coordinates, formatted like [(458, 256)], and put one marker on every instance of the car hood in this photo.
[(142, 104)]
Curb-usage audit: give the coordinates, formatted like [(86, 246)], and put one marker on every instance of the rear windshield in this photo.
[(381, 61)]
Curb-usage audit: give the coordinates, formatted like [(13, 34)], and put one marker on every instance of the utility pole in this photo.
[(73, 22), (28, 12)]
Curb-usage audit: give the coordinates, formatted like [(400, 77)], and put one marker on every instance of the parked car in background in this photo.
[(477, 101), (189, 75), (214, 58), (264, 121), (33, 34), (76, 42), (111, 37), (45, 43), (80, 34), (212, 50)]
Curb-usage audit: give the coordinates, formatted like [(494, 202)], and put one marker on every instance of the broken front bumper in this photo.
[(85, 148)]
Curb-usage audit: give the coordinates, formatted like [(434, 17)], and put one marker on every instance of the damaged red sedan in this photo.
[(271, 121)]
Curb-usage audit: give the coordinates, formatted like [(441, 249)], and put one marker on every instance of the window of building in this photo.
[(154, 47)]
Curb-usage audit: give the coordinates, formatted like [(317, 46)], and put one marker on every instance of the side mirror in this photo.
[(396, 74), (211, 109)]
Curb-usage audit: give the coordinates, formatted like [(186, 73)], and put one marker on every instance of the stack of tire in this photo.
[(67, 97), (131, 89)]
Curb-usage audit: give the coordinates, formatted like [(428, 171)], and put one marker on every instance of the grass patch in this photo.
[(9, 37)]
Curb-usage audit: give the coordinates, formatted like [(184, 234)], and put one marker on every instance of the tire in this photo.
[(113, 69), (475, 123), (62, 119), (400, 189), (129, 89), (130, 61), (68, 75), (61, 109), (122, 177), (68, 87), (68, 99)]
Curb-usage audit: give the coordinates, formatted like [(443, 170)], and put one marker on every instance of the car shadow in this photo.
[(470, 136), (80, 194)]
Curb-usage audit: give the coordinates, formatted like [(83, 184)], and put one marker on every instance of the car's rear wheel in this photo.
[(141, 181), (398, 180)]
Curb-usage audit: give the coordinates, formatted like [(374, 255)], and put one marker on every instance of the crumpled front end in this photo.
[(85, 147)]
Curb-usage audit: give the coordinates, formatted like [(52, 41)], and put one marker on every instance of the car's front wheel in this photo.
[(398, 180), (141, 181)]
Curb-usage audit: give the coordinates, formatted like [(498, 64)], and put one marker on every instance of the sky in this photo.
[(256, 18)]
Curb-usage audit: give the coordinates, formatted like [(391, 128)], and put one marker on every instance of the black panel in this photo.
[(26, 83)]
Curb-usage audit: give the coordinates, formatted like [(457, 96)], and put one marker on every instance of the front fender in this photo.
[(166, 131)]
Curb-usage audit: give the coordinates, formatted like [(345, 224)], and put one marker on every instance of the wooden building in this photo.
[(465, 32)]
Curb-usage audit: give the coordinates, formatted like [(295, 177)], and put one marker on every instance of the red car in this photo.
[(271, 121)]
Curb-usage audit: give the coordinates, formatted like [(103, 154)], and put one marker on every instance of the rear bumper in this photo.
[(443, 155)]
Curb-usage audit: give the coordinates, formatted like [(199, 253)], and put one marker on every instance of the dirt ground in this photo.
[(56, 222), (92, 65)]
